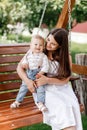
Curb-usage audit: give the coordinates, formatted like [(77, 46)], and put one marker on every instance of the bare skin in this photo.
[(70, 128)]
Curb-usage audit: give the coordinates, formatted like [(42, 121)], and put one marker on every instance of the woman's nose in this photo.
[(48, 44)]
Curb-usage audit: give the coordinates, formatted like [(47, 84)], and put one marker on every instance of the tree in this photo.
[(80, 11), (29, 12)]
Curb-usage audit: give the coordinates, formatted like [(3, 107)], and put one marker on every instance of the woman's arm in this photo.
[(46, 80), (57, 81)]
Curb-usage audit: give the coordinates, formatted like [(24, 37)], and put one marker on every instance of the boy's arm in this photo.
[(24, 62), (25, 66), (22, 74)]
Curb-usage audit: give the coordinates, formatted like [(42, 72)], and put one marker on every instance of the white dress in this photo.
[(63, 108)]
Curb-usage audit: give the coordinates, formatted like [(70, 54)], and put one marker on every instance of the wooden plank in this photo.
[(18, 113), (9, 86), (9, 77), (14, 50), (26, 101), (27, 114), (6, 96), (20, 122), (10, 95), (14, 45), (8, 68), (63, 18), (11, 118), (10, 59), (79, 69)]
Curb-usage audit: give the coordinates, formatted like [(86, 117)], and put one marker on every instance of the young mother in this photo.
[(63, 108)]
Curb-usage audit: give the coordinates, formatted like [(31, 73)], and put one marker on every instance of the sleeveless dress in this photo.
[(63, 107)]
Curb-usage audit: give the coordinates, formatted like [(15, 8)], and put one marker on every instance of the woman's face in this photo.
[(51, 45)]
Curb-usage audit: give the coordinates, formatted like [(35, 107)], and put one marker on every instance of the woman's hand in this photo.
[(42, 80)]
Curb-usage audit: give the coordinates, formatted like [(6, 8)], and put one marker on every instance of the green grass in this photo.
[(77, 48), (15, 38), (84, 122), (40, 126)]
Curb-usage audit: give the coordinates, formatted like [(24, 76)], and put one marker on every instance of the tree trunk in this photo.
[(81, 59)]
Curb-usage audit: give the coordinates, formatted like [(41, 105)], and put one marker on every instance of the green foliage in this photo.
[(18, 38), (29, 12), (23, 39), (36, 7), (80, 10), (11, 37)]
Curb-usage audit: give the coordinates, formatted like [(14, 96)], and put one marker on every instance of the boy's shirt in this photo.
[(36, 60)]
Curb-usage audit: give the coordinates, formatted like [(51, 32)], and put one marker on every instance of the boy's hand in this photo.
[(31, 85)]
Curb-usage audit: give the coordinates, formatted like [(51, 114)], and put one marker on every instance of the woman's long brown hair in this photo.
[(62, 53)]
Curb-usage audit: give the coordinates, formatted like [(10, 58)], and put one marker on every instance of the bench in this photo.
[(80, 72), (27, 114)]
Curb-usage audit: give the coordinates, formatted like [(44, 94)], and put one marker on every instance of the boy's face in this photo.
[(37, 45)]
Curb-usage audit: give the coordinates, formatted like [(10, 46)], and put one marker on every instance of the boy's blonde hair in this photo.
[(37, 37)]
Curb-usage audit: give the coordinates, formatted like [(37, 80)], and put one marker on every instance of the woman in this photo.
[(63, 108)]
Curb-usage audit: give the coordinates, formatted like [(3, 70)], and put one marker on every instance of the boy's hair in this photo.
[(37, 37)]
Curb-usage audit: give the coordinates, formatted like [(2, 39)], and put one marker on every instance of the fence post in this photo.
[(81, 59)]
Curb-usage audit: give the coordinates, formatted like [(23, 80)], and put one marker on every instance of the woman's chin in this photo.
[(48, 48)]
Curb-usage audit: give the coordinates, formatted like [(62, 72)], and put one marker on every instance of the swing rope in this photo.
[(43, 13), (69, 22)]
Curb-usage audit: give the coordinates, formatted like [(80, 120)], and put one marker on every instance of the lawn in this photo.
[(75, 48)]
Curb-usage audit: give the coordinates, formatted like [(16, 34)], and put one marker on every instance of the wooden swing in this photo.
[(10, 55)]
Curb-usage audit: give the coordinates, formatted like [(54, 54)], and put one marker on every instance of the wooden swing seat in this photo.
[(27, 113), (78, 70)]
